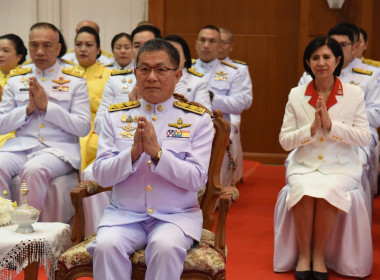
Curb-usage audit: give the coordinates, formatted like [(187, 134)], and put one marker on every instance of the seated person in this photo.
[(325, 121), (146, 163), (48, 107), (12, 54)]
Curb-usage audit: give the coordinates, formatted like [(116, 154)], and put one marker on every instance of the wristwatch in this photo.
[(157, 157)]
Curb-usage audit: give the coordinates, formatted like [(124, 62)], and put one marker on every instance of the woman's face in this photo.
[(8, 56), (178, 46), (323, 62), (122, 51), (86, 49)]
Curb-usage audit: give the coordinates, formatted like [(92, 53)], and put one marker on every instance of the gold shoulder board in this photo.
[(70, 51), (73, 72), (229, 64), (107, 54), (123, 106), (362, 71), (68, 62), (239, 62), (192, 71), (20, 71), (371, 62), (116, 72), (193, 61), (27, 62), (188, 107)]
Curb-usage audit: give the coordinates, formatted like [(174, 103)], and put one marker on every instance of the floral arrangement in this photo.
[(6, 208)]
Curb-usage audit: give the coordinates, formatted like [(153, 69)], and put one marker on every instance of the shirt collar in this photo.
[(48, 72), (159, 108), (336, 90)]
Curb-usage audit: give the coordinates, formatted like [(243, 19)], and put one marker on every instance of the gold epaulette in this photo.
[(193, 61), (371, 62), (188, 107), (70, 51), (68, 62), (229, 64), (123, 106), (192, 71), (107, 54), (108, 65), (27, 62), (239, 62), (362, 71), (20, 71), (116, 72), (73, 72)]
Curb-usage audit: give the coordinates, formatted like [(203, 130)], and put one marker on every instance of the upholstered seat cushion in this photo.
[(202, 257)]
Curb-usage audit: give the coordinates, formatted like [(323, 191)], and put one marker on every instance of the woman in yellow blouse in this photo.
[(12, 55), (87, 50)]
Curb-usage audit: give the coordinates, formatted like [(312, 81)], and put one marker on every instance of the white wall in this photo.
[(113, 16)]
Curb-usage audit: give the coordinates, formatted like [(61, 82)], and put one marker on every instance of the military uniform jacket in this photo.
[(225, 83), (67, 116), (194, 88), (116, 90), (166, 191), (368, 82), (246, 83), (329, 152)]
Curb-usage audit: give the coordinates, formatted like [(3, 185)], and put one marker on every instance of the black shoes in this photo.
[(303, 275), (320, 275)]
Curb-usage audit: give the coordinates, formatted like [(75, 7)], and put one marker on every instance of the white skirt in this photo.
[(334, 188)]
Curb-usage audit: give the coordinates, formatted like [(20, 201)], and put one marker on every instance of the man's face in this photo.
[(208, 44), (347, 47), (226, 46), (139, 39), (156, 87), (44, 47)]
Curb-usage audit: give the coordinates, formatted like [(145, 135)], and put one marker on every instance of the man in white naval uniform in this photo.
[(120, 87), (226, 48), (155, 153), (104, 59), (48, 107), (224, 83), (354, 71)]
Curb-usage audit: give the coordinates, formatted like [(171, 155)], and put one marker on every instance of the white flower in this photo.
[(6, 208)]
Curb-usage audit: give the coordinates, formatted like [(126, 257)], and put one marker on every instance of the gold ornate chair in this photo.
[(204, 261)]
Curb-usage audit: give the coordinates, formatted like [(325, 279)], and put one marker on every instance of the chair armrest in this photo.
[(83, 190), (225, 200)]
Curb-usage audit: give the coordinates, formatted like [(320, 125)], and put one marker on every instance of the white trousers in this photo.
[(165, 253), (37, 172)]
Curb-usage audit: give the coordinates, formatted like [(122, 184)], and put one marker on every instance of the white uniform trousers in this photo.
[(165, 253), (37, 172)]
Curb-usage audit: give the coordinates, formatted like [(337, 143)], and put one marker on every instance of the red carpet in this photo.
[(250, 228)]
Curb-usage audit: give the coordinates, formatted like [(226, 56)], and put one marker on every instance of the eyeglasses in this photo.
[(344, 44), (158, 70)]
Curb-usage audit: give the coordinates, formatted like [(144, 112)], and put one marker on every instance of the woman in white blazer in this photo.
[(325, 122)]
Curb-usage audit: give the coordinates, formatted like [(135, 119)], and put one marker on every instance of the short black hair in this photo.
[(159, 44), (342, 29), (92, 31), (212, 27), (318, 42), (364, 33), (18, 44), (184, 45), (151, 28), (118, 36), (50, 26)]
